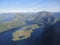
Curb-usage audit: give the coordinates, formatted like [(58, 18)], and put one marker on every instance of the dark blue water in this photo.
[(6, 37), (35, 39)]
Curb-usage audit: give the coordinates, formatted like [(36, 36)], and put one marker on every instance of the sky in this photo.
[(29, 5)]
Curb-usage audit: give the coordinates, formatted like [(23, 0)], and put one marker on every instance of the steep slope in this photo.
[(44, 17)]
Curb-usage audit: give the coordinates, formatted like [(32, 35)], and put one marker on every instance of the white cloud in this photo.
[(17, 10), (36, 9)]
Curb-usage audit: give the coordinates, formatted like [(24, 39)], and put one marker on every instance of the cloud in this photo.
[(16, 10), (36, 9)]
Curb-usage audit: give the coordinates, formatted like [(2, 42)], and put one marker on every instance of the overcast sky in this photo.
[(29, 5)]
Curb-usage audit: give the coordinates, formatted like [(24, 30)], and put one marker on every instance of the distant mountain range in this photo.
[(12, 20), (27, 16)]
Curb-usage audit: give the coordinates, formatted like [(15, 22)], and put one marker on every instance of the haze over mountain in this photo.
[(29, 22), (40, 18), (20, 28), (46, 17)]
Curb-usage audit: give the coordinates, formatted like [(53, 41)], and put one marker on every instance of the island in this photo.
[(24, 33)]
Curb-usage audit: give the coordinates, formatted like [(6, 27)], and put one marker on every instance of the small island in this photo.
[(24, 33)]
